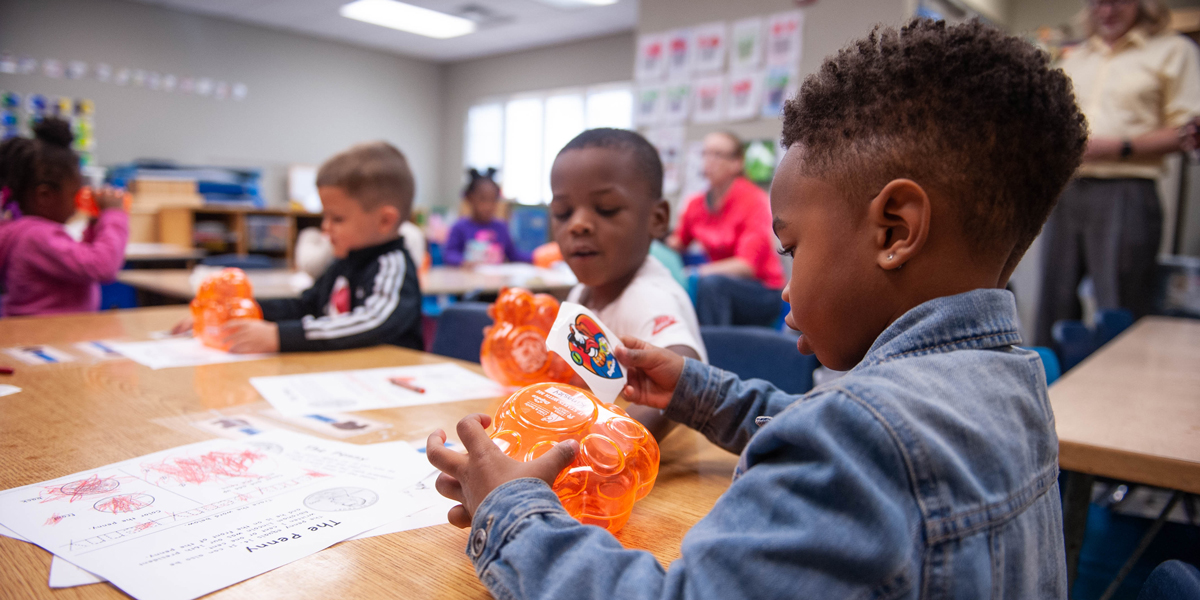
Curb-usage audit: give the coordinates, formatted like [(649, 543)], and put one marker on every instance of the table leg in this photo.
[(1076, 497), (1141, 547)]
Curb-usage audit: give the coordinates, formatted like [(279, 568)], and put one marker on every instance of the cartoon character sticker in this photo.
[(590, 349)]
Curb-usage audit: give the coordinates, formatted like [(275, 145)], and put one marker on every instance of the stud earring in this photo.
[(891, 256)]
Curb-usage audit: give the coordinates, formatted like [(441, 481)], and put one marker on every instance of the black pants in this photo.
[(722, 300), (1108, 229)]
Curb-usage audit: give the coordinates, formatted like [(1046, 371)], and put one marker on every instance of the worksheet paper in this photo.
[(367, 389), (185, 522), (178, 352)]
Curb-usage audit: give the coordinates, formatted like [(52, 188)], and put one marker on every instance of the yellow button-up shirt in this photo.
[(1140, 84)]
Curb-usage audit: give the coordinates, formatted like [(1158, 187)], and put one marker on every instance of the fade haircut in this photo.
[(963, 110), (641, 152), (373, 174)]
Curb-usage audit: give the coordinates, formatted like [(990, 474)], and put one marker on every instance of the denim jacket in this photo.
[(927, 471)]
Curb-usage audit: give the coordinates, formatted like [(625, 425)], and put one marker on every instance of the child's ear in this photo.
[(900, 216), (660, 218), (389, 218)]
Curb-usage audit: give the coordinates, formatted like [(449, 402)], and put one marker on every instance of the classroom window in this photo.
[(521, 136)]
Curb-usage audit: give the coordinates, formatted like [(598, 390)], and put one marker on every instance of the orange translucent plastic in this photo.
[(85, 202), (514, 347), (547, 254), (617, 460), (222, 297)]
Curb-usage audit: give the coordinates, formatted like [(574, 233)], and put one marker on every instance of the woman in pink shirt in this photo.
[(42, 269), (732, 221)]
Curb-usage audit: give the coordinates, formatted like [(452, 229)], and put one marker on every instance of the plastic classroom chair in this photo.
[(1172, 580), (245, 263), (459, 331), (1076, 341), (760, 353), (1110, 323)]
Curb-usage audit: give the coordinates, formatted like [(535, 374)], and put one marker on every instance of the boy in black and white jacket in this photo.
[(369, 295)]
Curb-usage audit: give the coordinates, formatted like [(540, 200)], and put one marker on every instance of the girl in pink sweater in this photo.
[(42, 270)]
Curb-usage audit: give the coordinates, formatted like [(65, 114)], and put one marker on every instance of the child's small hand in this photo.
[(250, 336), (471, 477), (108, 197), (653, 372), (185, 325)]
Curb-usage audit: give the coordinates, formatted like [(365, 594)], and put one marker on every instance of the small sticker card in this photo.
[(587, 345), (39, 355), (233, 426), (98, 349)]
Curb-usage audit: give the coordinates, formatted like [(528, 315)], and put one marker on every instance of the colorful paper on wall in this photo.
[(677, 102), (708, 99), (709, 47), (648, 108), (694, 181), (744, 98), (785, 38), (679, 54), (746, 45), (669, 143), (780, 84), (651, 57)]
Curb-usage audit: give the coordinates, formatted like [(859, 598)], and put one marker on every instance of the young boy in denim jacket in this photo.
[(921, 164)]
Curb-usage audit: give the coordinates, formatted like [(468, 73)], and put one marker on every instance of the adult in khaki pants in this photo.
[(1138, 84)]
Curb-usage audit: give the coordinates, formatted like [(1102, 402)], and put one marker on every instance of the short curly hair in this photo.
[(965, 110), (640, 151), (373, 174)]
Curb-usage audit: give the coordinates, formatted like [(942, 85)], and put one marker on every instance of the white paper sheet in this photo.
[(433, 508), (338, 425), (581, 339), (63, 574), (709, 48), (188, 521), (99, 349), (651, 58), (708, 99), (39, 355), (785, 38), (178, 352), (6, 390), (744, 98), (367, 389), (746, 45)]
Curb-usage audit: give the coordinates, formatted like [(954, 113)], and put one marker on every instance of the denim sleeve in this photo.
[(722, 407), (823, 511)]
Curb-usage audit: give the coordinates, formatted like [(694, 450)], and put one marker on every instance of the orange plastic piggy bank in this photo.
[(617, 460), (85, 202), (222, 297), (514, 348)]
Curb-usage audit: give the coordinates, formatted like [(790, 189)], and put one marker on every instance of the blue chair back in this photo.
[(529, 226), (760, 353), (246, 263), (1110, 323), (1049, 363), (460, 330), (1172, 580), (1075, 342)]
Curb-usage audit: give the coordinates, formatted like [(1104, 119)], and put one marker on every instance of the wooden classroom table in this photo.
[(86, 414), (153, 252), (1131, 412), (279, 283)]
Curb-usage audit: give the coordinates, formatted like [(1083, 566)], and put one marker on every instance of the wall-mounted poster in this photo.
[(708, 48), (746, 45), (648, 106), (669, 143), (678, 99), (52, 68), (708, 99), (785, 38), (651, 57), (679, 54), (8, 64), (77, 69), (693, 178), (744, 99), (780, 85), (104, 72)]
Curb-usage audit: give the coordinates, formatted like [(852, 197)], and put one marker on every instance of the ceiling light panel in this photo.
[(406, 17)]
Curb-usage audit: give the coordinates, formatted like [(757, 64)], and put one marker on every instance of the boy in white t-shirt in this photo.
[(606, 210)]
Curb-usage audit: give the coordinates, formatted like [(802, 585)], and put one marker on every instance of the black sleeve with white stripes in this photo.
[(390, 314), (309, 302)]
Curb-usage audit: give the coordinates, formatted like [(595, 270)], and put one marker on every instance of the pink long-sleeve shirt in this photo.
[(45, 271)]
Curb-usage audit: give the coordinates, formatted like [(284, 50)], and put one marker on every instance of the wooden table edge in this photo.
[(1102, 461)]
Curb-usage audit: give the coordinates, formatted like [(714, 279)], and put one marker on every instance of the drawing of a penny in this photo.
[(91, 485), (123, 503), (341, 498)]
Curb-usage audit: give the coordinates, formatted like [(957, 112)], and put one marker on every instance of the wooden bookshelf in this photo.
[(177, 225)]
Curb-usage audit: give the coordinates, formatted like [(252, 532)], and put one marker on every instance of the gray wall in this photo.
[(589, 62), (308, 98)]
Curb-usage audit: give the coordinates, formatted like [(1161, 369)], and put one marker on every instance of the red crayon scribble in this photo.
[(124, 503), (144, 526), (315, 474), (54, 519), (76, 490), (213, 465)]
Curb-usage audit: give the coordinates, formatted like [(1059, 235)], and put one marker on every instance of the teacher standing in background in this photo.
[(1138, 84), (732, 221)]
